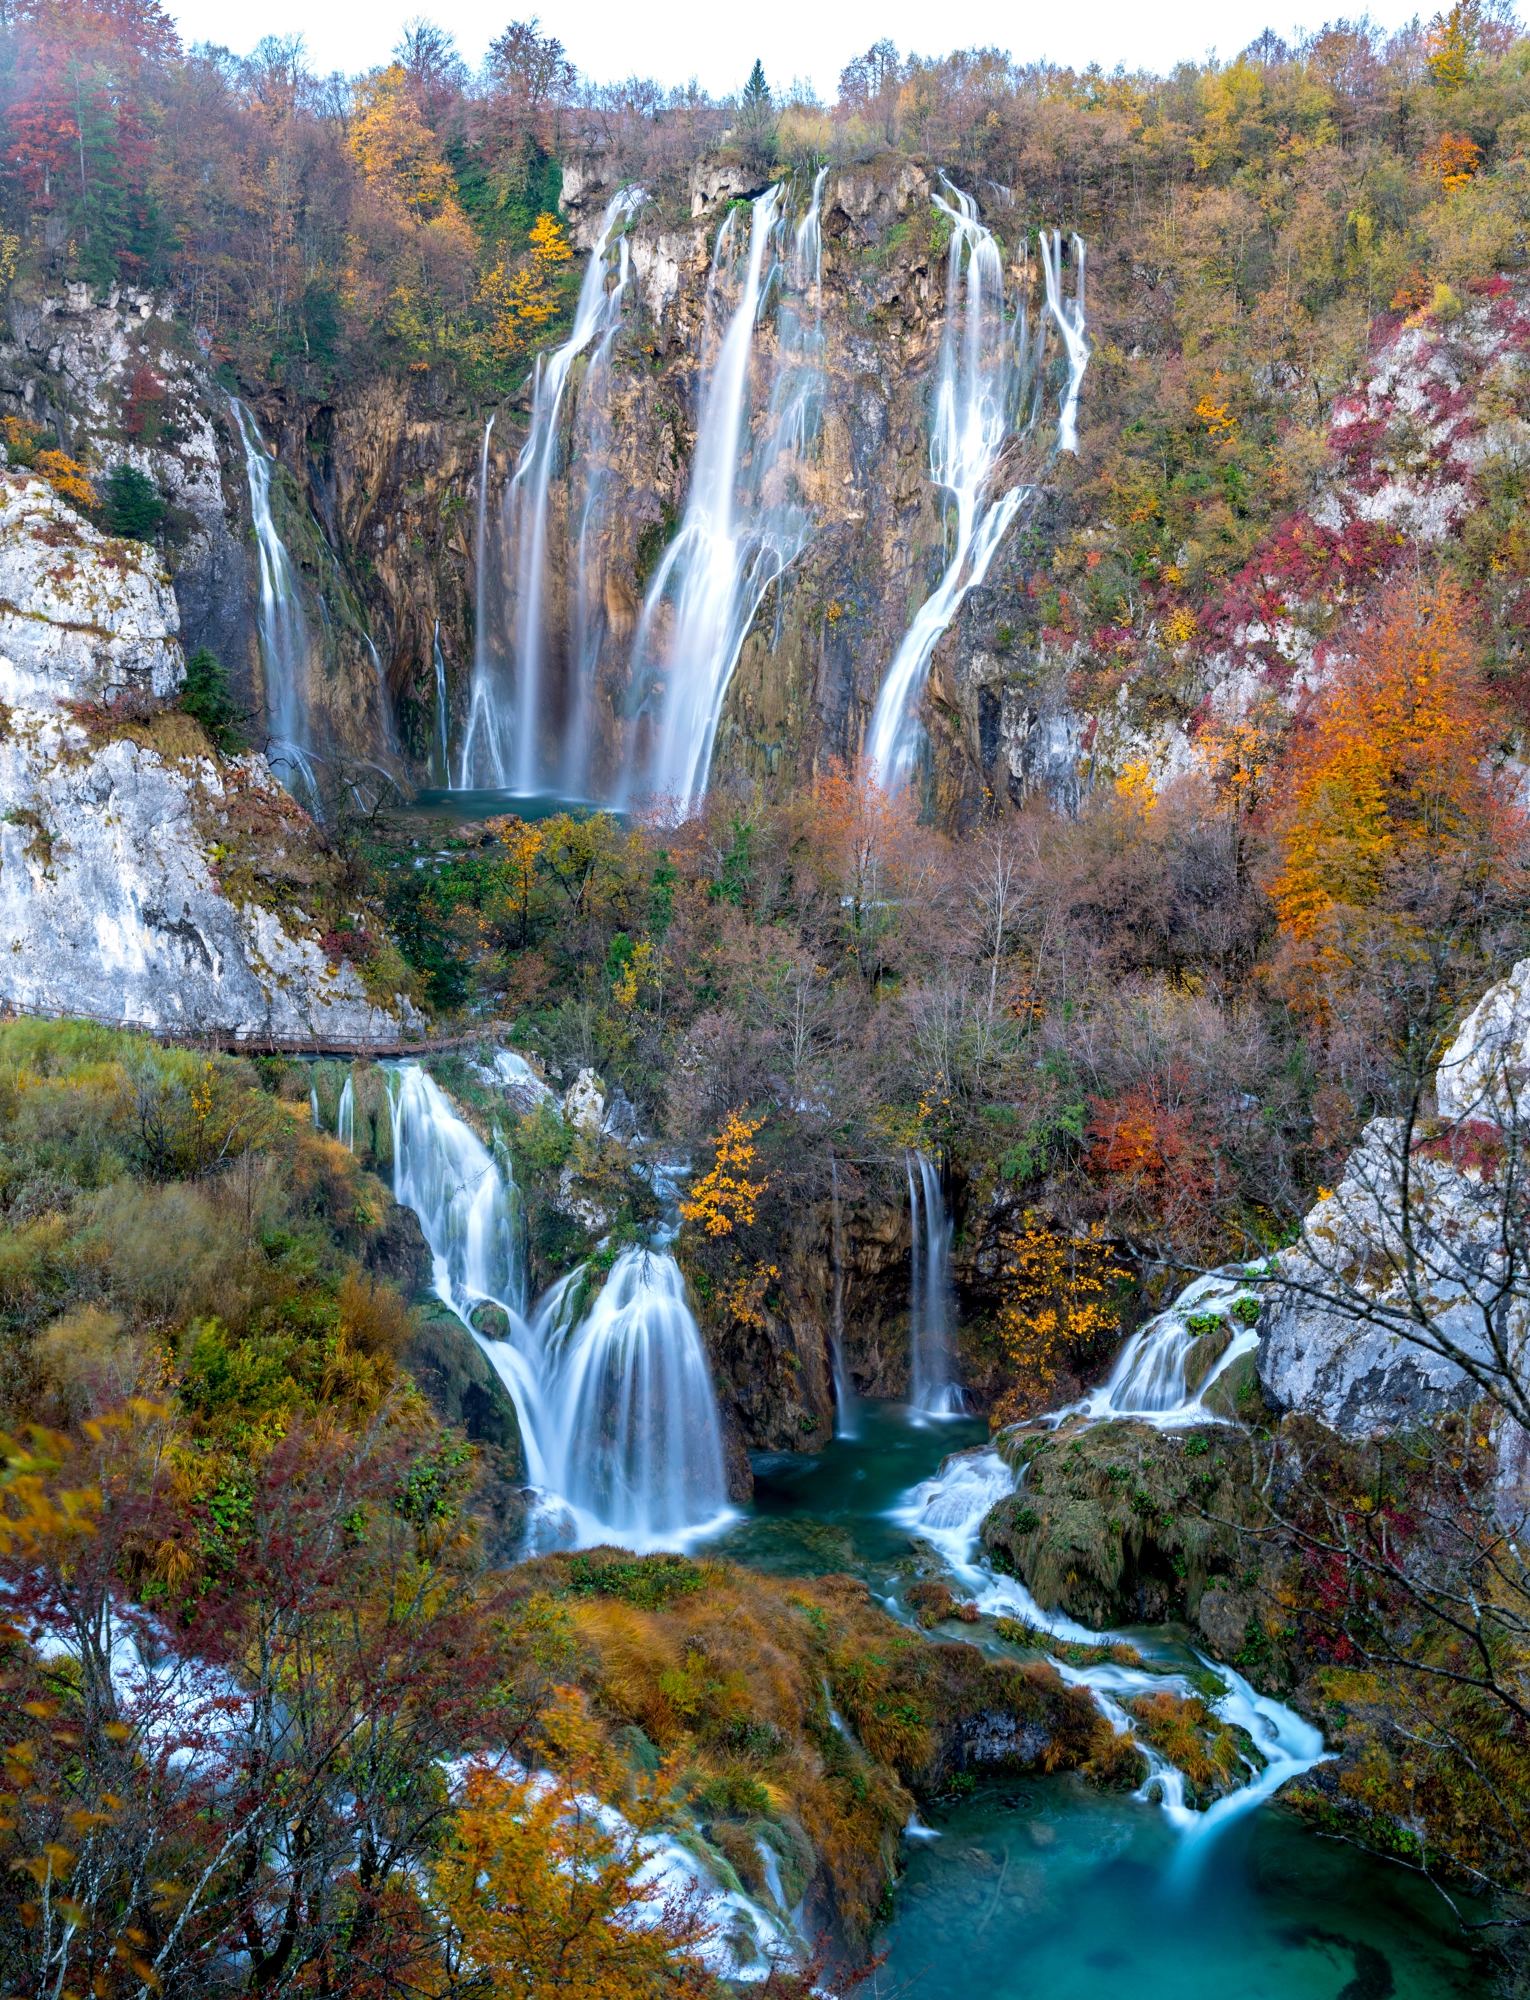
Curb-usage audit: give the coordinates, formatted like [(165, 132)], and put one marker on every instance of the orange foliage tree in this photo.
[(1388, 783), (523, 298)]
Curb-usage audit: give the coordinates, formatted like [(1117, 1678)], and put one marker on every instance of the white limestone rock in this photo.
[(1485, 1073), (1362, 1378), (584, 1106)]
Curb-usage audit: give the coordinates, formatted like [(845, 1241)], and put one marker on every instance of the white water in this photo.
[(844, 1394), (987, 390), (948, 1512), (934, 1392), (345, 1115), (441, 765), (509, 741), (484, 693), (617, 1409), (286, 651), (746, 515), (1148, 1380)]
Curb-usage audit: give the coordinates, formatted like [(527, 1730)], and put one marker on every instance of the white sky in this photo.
[(716, 41)]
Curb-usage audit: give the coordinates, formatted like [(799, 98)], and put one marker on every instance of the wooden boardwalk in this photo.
[(223, 1042)]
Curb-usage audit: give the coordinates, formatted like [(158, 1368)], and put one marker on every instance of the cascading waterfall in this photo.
[(617, 1409), (1155, 1380), (592, 453), (844, 1394), (484, 692), (345, 1115), (987, 391), (933, 1391), (504, 744), (746, 516), (286, 651)]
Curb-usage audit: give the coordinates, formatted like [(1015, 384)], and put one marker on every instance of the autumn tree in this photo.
[(726, 1198), (548, 1890), (525, 295), (1061, 1303)]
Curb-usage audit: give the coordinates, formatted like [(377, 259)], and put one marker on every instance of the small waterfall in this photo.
[(987, 389), (746, 518), (642, 1454), (617, 1409), (286, 651), (929, 1314), (1150, 1379), (505, 743), (844, 1393), (440, 761), (345, 1115)]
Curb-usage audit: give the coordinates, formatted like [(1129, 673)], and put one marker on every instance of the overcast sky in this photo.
[(717, 43)]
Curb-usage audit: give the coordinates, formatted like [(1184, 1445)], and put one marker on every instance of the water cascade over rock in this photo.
[(614, 1395), (286, 648), (988, 394), (933, 1389), (747, 517), (1165, 1372), (516, 737)]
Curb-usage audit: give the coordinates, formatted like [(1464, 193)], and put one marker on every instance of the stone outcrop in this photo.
[(1485, 1073), (120, 819)]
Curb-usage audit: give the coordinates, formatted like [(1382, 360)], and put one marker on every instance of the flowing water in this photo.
[(747, 516), (1044, 1885), (286, 646), (987, 393), (931, 1301), (516, 735), (611, 1380)]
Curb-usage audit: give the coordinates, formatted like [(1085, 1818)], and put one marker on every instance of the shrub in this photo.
[(131, 504), (206, 697)]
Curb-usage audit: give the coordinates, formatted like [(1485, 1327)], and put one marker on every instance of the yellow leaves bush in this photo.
[(523, 297), (1060, 1297), (726, 1198)]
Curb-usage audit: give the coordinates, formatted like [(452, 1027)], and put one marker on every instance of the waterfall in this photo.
[(844, 1393), (504, 743), (1151, 1379), (440, 760), (592, 453), (987, 390), (286, 650), (484, 692), (345, 1114), (641, 1456), (616, 1405), (932, 1390), (746, 518)]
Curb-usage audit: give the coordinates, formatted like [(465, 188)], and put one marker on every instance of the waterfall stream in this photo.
[(513, 739), (747, 518), (614, 1394), (286, 650), (931, 1368), (988, 391)]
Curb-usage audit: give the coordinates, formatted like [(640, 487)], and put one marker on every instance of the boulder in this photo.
[(584, 1107), (452, 1374)]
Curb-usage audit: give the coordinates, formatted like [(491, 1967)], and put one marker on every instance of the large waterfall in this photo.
[(933, 1388), (617, 1410), (746, 517), (514, 739), (286, 648), (987, 392)]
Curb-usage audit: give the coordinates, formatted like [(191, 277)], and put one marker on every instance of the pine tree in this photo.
[(756, 91)]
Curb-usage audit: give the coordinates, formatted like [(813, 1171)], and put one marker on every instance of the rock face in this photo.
[(1485, 1073), (1335, 1343), (110, 897)]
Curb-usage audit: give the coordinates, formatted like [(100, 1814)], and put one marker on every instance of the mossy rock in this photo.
[(1236, 1395), (1119, 1522), (1204, 1356)]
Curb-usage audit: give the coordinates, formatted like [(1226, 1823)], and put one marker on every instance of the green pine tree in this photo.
[(756, 91)]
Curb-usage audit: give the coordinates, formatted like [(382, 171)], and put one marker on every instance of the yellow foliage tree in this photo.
[(397, 150), (727, 1197), (548, 1893), (523, 297), (1060, 1296)]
